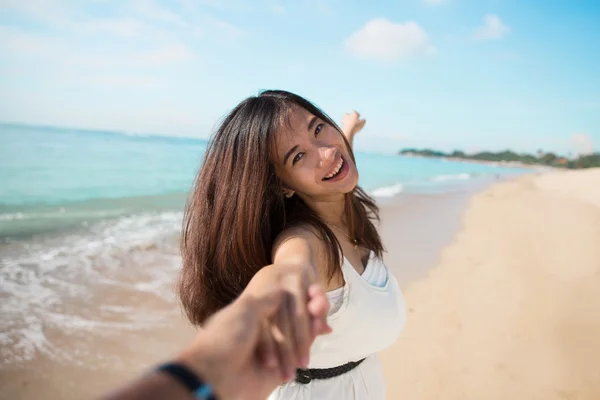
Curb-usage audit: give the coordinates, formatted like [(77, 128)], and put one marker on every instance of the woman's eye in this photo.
[(297, 158), (318, 129)]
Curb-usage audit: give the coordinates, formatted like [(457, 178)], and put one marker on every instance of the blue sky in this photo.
[(485, 74)]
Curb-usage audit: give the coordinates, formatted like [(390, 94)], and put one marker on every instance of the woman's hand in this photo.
[(352, 124), (287, 336)]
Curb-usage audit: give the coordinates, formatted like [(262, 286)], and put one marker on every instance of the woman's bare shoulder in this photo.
[(300, 244), (297, 236)]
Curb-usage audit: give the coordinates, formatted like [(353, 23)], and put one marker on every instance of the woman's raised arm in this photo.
[(351, 125)]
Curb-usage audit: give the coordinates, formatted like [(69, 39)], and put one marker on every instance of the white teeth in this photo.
[(337, 169)]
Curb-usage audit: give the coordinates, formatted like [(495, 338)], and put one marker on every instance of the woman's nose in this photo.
[(327, 154)]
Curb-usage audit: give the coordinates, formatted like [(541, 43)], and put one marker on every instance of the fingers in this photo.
[(267, 352), (352, 123), (318, 304), (253, 311), (355, 115), (302, 327), (282, 333), (318, 308), (287, 322), (267, 303)]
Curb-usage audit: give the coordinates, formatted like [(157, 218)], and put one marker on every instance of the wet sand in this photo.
[(83, 364)]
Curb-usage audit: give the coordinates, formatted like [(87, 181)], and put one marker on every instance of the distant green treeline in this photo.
[(542, 158)]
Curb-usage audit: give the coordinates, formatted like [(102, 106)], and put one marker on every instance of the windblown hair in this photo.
[(237, 208)]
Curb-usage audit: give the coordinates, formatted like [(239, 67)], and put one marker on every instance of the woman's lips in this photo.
[(341, 173)]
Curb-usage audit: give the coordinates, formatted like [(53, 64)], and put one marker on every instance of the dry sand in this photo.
[(512, 311)]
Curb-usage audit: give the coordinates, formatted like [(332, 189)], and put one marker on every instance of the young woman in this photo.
[(278, 191)]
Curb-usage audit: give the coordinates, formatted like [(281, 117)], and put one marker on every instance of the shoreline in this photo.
[(505, 164), (511, 309), (415, 228)]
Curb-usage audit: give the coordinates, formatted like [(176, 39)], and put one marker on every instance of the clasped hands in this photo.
[(258, 341)]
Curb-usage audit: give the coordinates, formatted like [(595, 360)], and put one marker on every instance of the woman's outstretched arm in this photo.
[(285, 342)]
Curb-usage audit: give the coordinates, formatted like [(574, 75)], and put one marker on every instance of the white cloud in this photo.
[(116, 58), (137, 35), (492, 28), (582, 143), (58, 61), (386, 41), (58, 51), (143, 19)]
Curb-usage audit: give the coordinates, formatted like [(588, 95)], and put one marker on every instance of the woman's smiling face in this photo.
[(312, 158)]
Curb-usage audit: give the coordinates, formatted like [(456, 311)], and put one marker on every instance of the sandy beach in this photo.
[(106, 348), (512, 309), (501, 287)]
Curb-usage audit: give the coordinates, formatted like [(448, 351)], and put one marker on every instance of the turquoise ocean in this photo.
[(81, 208)]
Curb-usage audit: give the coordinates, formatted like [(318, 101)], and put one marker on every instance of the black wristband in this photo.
[(189, 379)]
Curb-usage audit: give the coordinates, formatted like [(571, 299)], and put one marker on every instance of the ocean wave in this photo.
[(40, 278), (125, 233), (62, 213), (388, 191), (12, 216), (451, 177)]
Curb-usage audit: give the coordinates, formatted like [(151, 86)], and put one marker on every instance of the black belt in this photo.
[(307, 375)]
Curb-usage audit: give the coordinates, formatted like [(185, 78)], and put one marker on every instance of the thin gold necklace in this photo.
[(345, 234)]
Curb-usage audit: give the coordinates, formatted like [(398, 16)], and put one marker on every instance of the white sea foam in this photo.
[(388, 191), (451, 177), (62, 213), (41, 279), (11, 216)]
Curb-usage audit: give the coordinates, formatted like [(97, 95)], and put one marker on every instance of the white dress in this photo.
[(368, 320)]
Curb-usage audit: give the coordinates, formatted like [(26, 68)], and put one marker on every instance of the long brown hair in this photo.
[(237, 208)]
